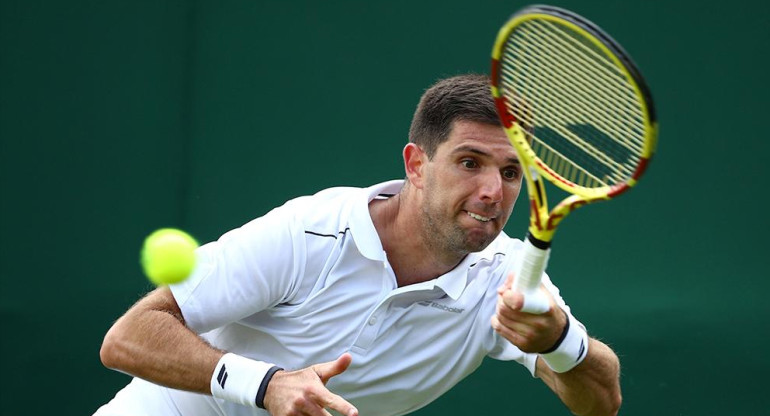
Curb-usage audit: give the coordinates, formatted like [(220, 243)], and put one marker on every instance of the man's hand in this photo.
[(528, 332), (592, 388), (304, 392)]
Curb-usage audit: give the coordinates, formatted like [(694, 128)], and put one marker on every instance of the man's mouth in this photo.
[(478, 217)]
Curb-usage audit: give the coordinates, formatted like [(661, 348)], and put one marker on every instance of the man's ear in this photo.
[(415, 160)]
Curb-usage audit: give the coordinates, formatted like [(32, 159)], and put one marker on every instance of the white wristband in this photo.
[(572, 349), (241, 380)]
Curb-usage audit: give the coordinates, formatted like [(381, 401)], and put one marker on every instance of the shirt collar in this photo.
[(454, 281), (361, 225)]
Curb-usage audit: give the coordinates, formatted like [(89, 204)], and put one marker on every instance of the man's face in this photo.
[(470, 187)]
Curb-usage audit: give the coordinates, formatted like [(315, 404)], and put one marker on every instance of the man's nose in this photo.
[(491, 187)]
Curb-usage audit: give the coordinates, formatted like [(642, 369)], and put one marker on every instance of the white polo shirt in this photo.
[(310, 280)]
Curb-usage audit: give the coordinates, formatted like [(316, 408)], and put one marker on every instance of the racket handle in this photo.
[(527, 280)]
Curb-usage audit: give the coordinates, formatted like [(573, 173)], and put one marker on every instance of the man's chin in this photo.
[(476, 243)]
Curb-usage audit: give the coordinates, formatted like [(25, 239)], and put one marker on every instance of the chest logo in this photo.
[(440, 306)]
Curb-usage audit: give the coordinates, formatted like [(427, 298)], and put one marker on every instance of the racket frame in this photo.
[(543, 224)]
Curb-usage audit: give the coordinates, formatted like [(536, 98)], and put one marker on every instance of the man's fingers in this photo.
[(512, 300), (303, 392), (519, 335), (507, 285), (505, 331), (337, 403), (328, 399), (530, 332), (330, 369), (515, 325)]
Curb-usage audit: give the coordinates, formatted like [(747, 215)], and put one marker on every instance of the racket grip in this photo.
[(527, 280)]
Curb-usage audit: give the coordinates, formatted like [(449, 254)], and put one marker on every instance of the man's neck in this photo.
[(399, 227)]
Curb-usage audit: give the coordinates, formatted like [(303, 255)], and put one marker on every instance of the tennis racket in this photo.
[(579, 114)]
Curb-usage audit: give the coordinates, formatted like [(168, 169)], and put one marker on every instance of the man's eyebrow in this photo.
[(471, 149)]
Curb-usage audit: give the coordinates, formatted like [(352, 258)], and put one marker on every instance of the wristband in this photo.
[(241, 380), (570, 349)]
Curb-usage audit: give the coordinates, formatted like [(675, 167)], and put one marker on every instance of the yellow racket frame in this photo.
[(542, 222)]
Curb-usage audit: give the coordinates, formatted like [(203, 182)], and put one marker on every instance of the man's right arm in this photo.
[(151, 341)]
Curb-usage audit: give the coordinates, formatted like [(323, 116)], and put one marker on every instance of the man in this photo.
[(363, 301)]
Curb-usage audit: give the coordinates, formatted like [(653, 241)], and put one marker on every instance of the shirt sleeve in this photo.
[(247, 270)]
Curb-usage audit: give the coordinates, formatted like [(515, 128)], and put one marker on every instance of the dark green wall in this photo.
[(117, 118)]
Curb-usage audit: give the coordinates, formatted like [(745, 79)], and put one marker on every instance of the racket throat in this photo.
[(541, 244), (540, 225), (539, 195)]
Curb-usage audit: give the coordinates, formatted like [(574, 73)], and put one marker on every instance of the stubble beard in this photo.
[(448, 238)]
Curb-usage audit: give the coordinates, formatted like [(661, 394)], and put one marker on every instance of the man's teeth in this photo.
[(478, 217)]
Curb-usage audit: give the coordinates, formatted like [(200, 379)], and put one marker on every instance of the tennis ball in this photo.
[(168, 256)]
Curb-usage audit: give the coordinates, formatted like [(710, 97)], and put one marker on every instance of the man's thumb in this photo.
[(330, 369)]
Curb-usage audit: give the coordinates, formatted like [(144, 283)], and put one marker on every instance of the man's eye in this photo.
[(468, 164), (511, 174)]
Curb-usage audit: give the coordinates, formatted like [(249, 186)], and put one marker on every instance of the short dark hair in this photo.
[(465, 97)]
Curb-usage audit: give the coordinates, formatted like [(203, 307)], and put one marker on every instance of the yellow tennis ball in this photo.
[(168, 256)]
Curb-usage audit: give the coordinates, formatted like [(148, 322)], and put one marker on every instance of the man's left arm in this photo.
[(592, 387)]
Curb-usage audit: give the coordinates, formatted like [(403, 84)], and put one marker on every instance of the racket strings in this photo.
[(571, 100), (585, 146), (548, 153), (577, 49), (631, 138), (568, 101), (602, 124), (567, 167), (588, 124)]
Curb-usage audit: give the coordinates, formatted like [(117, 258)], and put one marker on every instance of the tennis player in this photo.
[(370, 301)]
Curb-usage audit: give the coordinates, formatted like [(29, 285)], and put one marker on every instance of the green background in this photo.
[(120, 117)]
